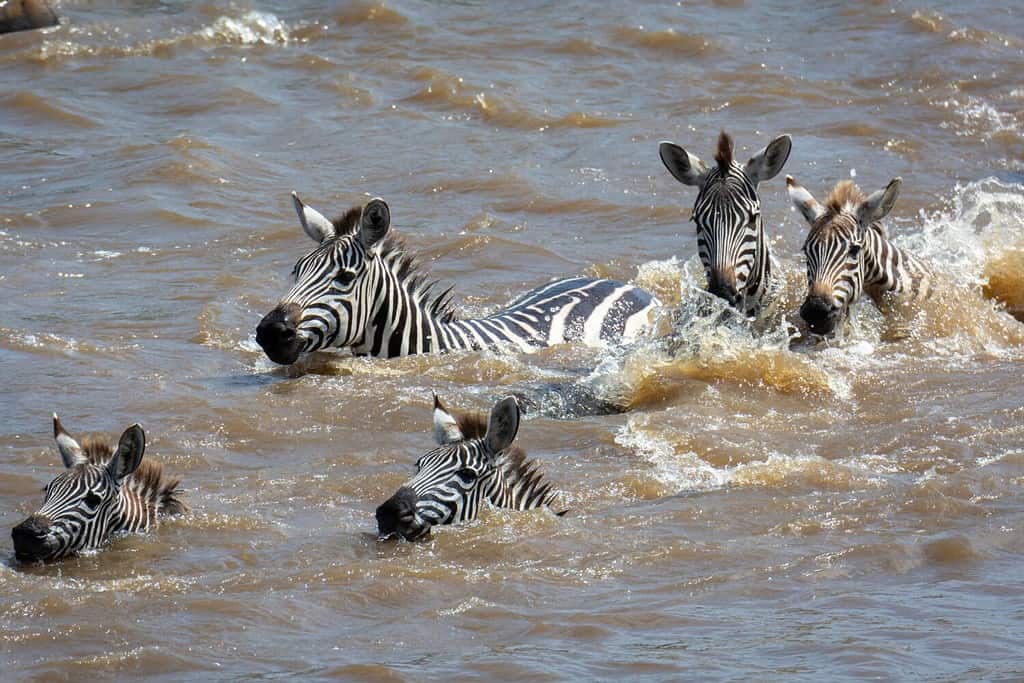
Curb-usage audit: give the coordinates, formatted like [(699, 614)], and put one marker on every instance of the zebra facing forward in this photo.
[(360, 290), (730, 236), (848, 252), (102, 492), (475, 462)]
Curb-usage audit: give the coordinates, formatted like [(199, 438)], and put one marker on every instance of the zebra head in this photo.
[(727, 212), (835, 247), (475, 462), (326, 305), (82, 504)]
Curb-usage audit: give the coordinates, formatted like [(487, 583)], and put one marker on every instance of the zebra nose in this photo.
[(28, 535), (820, 313), (397, 515), (724, 290), (278, 336)]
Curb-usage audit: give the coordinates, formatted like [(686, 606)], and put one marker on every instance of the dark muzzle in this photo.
[(30, 539), (278, 335), (397, 516), (821, 314)]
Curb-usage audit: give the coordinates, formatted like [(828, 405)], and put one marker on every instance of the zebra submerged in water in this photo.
[(848, 252), (474, 463), (359, 289), (731, 240), (103, 491)]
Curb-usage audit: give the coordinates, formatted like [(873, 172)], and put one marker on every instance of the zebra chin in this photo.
[(397, 517)]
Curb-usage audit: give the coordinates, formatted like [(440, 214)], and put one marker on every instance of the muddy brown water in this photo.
[(848, 511)]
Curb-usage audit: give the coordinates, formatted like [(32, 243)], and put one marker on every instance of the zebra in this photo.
[(474, 462), (359, 289), (102, 492), (848, 252), (730, 236)]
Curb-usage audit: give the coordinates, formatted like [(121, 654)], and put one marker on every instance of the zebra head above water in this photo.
[(730, 236), (474, 463), (359, 289), (101, 492), (848, 252)]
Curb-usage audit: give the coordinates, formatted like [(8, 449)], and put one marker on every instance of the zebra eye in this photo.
[(467, 475), (344, 277), (92, 499), (854, 249)]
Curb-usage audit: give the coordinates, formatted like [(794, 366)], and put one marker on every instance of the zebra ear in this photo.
[(313, 222), (129, 452), (687, 169), (446, 428), (375, 222), (503, 425), (803, 201), (70, 452), (767, 163), (879, 204)]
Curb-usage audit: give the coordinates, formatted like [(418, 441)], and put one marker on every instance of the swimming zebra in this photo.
[(730, 236), (848, 252), (102, 492), (360, 290), (475, 462)]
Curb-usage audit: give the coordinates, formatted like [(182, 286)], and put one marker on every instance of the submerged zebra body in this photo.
[(359, 289), (103, 491), (849, 253), (730, 235), (474, 464)]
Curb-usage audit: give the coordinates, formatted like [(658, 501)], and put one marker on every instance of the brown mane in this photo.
[(723, 153), (346, 223), (843, 195), (147, 481)]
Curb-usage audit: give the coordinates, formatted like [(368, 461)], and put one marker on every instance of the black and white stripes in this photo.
[(474, 464), (101, 492), (730, 236), (360, 290)]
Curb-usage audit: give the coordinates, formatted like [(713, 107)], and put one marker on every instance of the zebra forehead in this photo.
[(833, 226)]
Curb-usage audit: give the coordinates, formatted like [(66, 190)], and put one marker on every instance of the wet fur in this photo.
[(723, 153), (161, 495)]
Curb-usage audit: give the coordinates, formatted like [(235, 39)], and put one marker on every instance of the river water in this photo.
[(850, 510)]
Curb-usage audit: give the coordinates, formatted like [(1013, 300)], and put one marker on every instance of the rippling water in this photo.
[(851, 510)]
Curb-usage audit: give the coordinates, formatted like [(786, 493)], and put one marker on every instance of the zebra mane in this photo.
[(723, 153), (517, 471), (147, 481), (843, 196), (405, 267)]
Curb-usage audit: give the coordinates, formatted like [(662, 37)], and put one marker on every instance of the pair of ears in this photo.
[(126, 459), (876, 207), (502, 425), (690, 170), (374, 222)]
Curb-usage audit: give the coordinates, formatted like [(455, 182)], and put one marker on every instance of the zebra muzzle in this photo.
[(32, 539), (278, 334), (397, 516)]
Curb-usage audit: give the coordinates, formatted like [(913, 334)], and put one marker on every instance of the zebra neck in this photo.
[(406, 318), (132, 511), (882, 263)]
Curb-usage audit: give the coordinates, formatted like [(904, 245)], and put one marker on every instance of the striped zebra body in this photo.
[(474, 464), (102, 492), (731, 240), (848, 254), (360, 290)]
